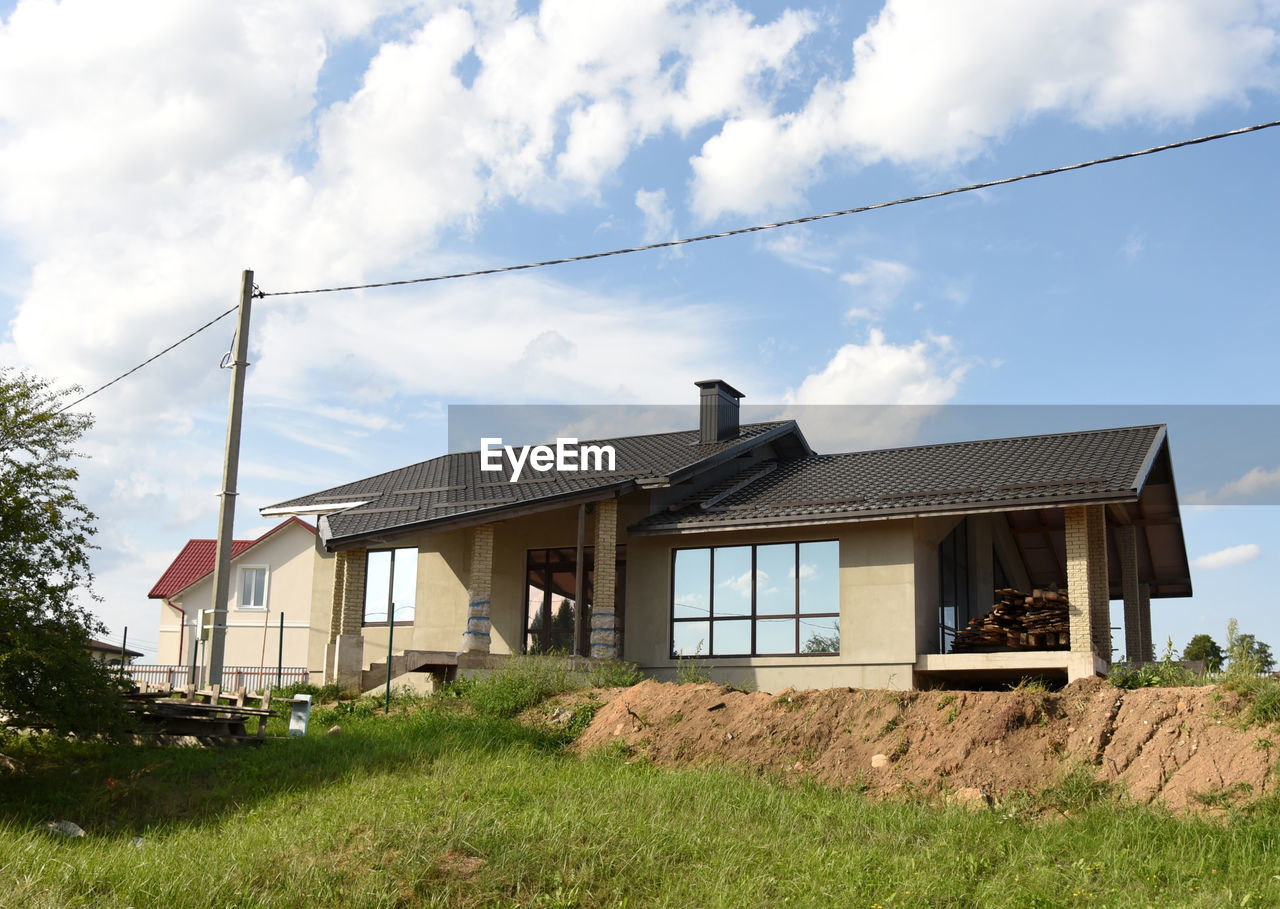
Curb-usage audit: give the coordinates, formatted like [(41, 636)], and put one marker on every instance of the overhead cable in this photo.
[(259, 293), (666, 244)]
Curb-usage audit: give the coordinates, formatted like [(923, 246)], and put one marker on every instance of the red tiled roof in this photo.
[(196, 561)]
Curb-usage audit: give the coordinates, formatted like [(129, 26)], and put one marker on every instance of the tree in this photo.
[(1203, 647), (1246, 653), (47, 677)]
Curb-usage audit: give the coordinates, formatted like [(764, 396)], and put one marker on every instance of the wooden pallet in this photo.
[(206, 713)]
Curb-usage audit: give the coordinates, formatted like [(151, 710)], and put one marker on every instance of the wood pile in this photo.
[(1018, 621)]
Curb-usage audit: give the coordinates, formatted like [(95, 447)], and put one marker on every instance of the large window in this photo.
[(253, 587), (953, 586), (390, 582), (550, 609), (776, 599)]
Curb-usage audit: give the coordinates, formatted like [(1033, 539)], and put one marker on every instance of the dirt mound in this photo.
[(1179, 746)]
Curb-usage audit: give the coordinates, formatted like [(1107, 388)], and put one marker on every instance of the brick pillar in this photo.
[(476, 638), (604, 638), (1087, 579), (1144, 621), (335, 604), (1127, 544), (353, 591), (344, 657)]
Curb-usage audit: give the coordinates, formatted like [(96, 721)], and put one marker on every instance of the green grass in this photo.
[(444, 807)]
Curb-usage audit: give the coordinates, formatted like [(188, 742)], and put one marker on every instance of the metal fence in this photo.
[(250, 678)]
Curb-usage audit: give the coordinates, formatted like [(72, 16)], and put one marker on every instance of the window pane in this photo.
[(733, 582), (406, 584), (820, 635), (820, 577), (691, 639), (377, 582), (259, 586), (776, 581), (731, 638), (246, 588), (776, 636), (692, 584)]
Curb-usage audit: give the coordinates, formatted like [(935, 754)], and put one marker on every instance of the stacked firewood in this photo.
[(1018, 621)]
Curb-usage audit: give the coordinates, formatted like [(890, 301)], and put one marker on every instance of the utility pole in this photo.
[(230, 469)]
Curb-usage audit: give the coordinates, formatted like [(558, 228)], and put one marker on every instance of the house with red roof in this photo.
[(280, 574)]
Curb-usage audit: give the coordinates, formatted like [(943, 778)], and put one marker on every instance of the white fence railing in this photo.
[(249, 677)]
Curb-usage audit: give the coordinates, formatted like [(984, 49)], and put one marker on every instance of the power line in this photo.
[(788, 223), (259, 293), (130, 372)]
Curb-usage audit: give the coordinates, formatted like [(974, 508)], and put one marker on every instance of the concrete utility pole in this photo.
[(230, 469)]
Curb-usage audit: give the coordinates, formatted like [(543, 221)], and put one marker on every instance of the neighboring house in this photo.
[(739, 545), (282, 571), (110, 653)]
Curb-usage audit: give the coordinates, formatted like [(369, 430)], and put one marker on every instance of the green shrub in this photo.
[(581, 719), (1151, 675), (331, 691), (345, 710), (614, 674), (1168, 673), (1075, 791), (520, 683)]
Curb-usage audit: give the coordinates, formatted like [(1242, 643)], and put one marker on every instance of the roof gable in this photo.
[(196, 561)]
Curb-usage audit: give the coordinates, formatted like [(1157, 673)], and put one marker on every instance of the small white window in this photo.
[(253, 587)]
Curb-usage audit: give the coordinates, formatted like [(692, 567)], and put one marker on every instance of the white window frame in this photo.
[(266, 588)]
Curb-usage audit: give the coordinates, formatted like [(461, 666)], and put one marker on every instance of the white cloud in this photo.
[(659, 222), (798, 249), (878, 285), (1133, 247), (741, 585), (880, 372), (1227, 558), (1258, 486), (884, 392), (935, 84)]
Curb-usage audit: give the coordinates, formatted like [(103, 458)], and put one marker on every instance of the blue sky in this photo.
[(149, 151)]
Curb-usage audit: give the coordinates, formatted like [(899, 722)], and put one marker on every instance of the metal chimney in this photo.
[(717, 411)]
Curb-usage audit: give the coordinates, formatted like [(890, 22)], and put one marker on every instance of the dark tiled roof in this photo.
[(195, 561), (1057, 469), (452, 486)]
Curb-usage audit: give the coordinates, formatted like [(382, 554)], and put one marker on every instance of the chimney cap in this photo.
[(719, 385)]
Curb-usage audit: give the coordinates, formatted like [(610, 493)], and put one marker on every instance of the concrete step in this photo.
[(422, 662)]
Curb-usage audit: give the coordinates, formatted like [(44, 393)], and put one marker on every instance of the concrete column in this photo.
[(476, 638), (1127, 544), (1087, 589), (604, 637), (1144, 620)]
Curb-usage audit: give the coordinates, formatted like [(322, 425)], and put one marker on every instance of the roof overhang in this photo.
[(468, 519)]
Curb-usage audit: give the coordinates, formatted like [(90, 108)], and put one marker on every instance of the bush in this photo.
[(520, 683), (1168, 673), (1076, 790), (614, 674), (1151, 675)]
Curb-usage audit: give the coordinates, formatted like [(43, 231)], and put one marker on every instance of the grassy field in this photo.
[(440, 807)]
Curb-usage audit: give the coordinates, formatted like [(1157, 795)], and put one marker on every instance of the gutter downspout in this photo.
[(182, 627)]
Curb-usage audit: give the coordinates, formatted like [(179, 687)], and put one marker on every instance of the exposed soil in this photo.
[(1179, 746)]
